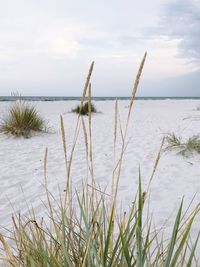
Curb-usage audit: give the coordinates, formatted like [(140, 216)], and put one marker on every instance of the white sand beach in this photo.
[(21, 160)]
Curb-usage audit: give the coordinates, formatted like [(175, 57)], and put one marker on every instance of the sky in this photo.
[(47, 46)]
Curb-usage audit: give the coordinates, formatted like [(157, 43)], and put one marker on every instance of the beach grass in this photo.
[(84, 110), (85, 228), (185, 148), (21, 120), (97, 236)]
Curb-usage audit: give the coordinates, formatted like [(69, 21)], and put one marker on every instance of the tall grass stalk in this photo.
[(76, 133), (134, 91), (96, 234)]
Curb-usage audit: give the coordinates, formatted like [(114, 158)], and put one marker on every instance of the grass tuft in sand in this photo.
[(186, 148), (21, 120), (84, 110)]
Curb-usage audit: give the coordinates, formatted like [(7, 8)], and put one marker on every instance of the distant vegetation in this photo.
[(84, 110), (185, 148), (21, 120)]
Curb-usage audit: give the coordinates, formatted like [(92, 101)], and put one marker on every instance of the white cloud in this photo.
[(48, 45), (181, 20)]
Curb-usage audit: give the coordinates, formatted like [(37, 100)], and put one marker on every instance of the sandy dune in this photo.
[(21, 160)]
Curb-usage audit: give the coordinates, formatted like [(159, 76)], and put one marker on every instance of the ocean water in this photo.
[(67, 98)]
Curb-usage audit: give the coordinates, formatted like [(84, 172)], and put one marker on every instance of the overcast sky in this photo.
[(47, 46)]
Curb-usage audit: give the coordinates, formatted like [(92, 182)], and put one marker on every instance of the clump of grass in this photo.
[(193, 143), (95, 236), (173, 140), (185, 148), (85, 230), (21, 120), (84, 109)]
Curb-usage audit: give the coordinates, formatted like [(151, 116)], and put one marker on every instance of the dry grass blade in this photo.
[(137, 80), (114, 149), (90, 119), (10, 259), (85, 137), (45, 164), (156, 163), (90, 136), (63, 139), (67, 188), (115, 125), (87, 83), (78, 128), (135, 87)]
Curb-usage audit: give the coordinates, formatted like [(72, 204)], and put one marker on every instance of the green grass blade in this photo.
[(125, 249), (108, 238), (146, 244), (139, 225), (189, 264), (182, 243), (66, 256), (174, 236)]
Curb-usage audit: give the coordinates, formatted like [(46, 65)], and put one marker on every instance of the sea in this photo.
[(99, 98)]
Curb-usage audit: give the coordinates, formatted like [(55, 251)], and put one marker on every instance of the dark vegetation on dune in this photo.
[(184, 148), (84, 110)]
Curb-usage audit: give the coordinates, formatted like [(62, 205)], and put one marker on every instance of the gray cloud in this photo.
[(181, 20), (184, 85)]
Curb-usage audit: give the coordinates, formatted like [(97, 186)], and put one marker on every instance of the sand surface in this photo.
[(21, 160)]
